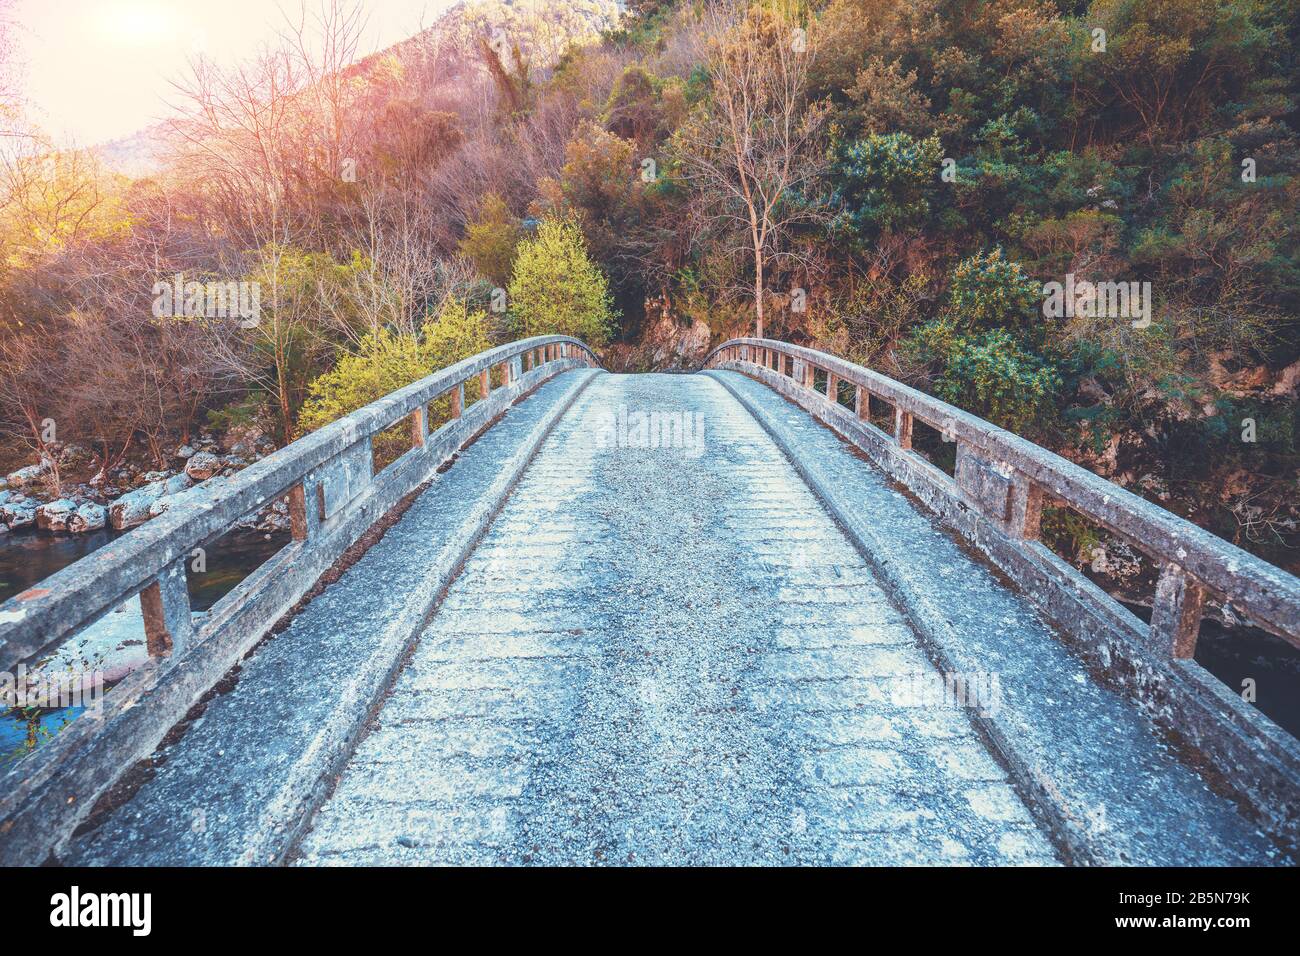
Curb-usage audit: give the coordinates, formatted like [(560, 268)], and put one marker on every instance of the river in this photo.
[(29, 556)]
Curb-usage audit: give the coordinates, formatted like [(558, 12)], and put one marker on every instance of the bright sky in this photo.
[(96, 70)]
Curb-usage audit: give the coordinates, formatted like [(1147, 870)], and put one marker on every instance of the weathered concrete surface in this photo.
[(1085, 753), (246, 773), (668, 655)]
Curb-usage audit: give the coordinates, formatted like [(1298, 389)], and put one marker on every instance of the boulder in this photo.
[(18, 514), (203, 466), (185, 451), (88, 517), (53, 516), (135, 507), (241, 435), (25, 476)]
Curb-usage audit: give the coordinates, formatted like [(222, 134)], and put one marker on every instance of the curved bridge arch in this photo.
[(992, 502)]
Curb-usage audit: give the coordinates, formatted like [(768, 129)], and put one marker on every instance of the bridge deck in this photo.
[(655, 656), (661, 658)]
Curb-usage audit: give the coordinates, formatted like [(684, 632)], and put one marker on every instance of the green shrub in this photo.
[(386, 360), (990, 375), (491, 239), (885, 181), (557, 290), (989, 290)]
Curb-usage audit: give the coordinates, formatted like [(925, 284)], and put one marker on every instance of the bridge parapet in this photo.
[(334, 495), (995, 499)]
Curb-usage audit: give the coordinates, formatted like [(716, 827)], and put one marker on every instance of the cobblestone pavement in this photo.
[(668, 655)]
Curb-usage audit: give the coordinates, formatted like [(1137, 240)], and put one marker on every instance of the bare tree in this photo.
[(753, 150)]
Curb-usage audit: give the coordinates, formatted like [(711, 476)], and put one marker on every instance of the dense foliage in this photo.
[(891, 180)]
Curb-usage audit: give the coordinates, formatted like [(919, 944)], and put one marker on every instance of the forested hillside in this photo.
[(894, 181)]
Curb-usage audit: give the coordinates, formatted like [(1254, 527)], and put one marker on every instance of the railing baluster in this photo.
[(418, 428), (298, 512), (485, 383), (832, 388), (166, 606), (902, 428), (1026, 509), (1176, 611)]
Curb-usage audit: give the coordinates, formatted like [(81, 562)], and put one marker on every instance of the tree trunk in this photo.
[(758, 291)]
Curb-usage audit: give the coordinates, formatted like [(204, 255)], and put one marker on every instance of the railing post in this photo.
[(780, 363), (861, 402), (1176, 611), (902, 428), (298, 521), (832, 388), (166, 607), (1026, 508), (418, 428), (457, 400), (485, 383)]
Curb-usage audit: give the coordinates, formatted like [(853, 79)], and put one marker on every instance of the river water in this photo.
[(28, 557)]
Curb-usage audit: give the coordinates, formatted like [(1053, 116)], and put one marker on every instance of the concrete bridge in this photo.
[(725, 617)]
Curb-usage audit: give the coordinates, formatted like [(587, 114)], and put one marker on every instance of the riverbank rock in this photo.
[(160, 505), (203, 465), (88, 517), (18, 513), (134, 507), (25, 476), (242, 439), (185, 451), (54, 515)]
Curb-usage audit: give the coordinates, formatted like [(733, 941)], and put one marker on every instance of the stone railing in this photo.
[(334, 496), (995, 500)]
